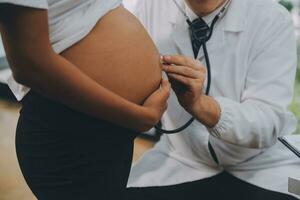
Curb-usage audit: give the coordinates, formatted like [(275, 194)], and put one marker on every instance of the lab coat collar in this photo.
[(234, 19), (181, 38)]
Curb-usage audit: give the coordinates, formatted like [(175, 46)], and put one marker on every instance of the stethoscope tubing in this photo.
[(207, 61)]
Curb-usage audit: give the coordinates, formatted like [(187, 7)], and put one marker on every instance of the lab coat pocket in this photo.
[(231, 155)]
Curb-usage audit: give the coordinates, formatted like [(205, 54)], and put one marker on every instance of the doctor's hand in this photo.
[(187, 77)]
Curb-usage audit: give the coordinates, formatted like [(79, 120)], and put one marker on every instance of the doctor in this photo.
[(230, 151)]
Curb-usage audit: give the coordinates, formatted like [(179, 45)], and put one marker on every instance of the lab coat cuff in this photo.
[(225, 118)]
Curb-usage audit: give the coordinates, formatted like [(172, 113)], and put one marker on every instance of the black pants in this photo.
[(220, 187), (66, 155)]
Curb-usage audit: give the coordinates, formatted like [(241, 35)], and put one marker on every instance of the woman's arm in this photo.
[(36, 65)]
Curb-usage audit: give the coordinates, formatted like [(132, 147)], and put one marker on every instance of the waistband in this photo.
[(54, 115)]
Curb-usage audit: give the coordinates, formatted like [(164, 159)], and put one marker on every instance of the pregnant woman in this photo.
[(95, 82)]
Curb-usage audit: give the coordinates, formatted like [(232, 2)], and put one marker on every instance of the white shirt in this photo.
[(253, 60), (192, 16), (69, 22)]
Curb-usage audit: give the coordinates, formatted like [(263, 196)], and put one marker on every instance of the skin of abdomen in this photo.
[(120, 55)]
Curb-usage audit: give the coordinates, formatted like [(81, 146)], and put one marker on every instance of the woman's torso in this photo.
[(115, 50), (119, 54)]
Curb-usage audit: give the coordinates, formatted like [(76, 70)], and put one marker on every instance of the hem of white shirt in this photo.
[(33, 4)]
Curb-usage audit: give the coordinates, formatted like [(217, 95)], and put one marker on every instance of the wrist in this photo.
[(206, 110), (197, 107), (146, 119)]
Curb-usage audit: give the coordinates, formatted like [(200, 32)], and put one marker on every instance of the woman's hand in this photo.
[(187, 77), (156, 104)]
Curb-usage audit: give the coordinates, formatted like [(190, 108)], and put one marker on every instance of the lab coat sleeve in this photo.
[(262, 114)]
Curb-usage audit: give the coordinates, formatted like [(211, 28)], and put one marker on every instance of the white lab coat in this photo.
[(253, 59)]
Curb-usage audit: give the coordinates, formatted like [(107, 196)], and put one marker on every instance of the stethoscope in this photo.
[(207, 61)]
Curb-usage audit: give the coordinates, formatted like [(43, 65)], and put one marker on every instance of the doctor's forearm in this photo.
[(207, 111)]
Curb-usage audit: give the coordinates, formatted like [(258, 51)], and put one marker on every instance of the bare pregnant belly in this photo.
[(120, 55)]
